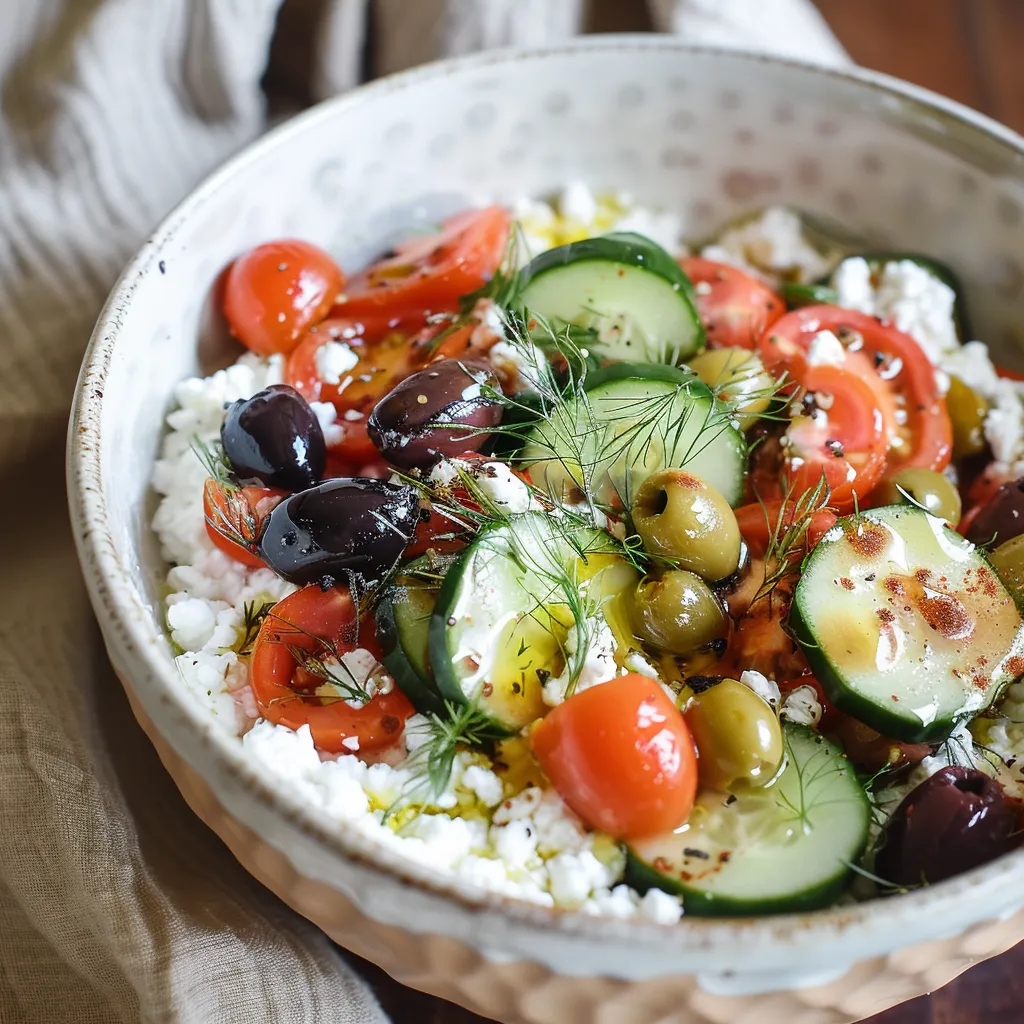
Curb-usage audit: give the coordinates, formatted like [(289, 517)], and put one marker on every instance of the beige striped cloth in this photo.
[(115, 904)]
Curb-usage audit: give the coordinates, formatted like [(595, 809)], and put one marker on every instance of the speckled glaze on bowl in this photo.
[(710, 134)]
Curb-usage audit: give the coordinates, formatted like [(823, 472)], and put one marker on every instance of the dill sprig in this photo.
[(215, 461), (812, 777), (787, 536), (432, 762), (253, 615)]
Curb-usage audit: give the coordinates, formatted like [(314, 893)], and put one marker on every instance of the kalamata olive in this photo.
[(954, 821), (931, 490), (679, 516), (275, 437), (436, 413), (1002, 516), (738, 736), (345, 526), (678, 612)]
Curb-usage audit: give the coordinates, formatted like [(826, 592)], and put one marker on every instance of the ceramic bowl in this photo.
[(710, 134)]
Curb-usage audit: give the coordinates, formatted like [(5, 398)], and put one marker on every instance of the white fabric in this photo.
[(115, 903)]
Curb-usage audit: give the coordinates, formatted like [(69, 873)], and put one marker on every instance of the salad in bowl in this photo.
[(612, 572)]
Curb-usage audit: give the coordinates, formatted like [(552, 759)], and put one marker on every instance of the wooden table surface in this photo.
[(969, 50)]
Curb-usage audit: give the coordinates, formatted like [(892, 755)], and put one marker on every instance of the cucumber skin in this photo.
[(625, 247), (645, 371), (797, 295), (641, 876), (424, 697)]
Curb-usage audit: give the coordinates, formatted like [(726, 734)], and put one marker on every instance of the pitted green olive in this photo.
[(678, 516), (738, 736), (931, 490), (678, 612), (967, 412), (736, 376)]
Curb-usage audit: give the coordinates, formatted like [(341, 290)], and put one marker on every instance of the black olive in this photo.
[(406, 427), (1001, 517), (954, 821), (275, 437), (346, 526)]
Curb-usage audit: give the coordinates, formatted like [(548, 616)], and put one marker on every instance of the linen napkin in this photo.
[(116, 904)]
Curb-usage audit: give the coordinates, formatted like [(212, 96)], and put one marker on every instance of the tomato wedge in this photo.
[(432, 272), (734, 307), (323, 622), (900, 375), (234, 518), (842, 440), (758, 522)]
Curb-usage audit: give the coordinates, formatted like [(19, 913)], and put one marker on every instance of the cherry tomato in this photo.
[(621, 756), (844, 443), (322, 622), (734, 307), (432, 272), (925, 438), (275, 292), (234, 518), (387, 352), (1005, 371)]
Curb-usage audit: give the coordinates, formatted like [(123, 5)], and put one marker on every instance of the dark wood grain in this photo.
[(969, 50)]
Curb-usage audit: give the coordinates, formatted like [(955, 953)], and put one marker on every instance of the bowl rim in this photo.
[(123, 617)]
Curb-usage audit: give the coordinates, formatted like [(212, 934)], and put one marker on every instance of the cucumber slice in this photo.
[(631, 292), (787, 847), (403, 624), (502, 619), (906, 625), (634, 420), (877, 261)]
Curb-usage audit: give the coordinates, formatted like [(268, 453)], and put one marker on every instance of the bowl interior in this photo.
[(705, 133)]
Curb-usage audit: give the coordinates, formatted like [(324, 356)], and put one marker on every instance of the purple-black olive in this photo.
[(954, 821), (1001, 517), (436, 413), (275, 437), (342, 528)]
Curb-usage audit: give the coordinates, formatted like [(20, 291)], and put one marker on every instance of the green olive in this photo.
[(678, 612), (678, 516), (738, 736), (967, 411), (737, 376), (924, 487), (1008, 562)]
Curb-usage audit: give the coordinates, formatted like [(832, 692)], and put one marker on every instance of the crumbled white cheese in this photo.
[(333, 360), (663, 227), (771, 244), (635, 661), (497, 482), (907, 295), (802, 706), (191, 621), (826, 350), (326, 414), (767, 689), (520, 366), (578, 203), (598, 667)]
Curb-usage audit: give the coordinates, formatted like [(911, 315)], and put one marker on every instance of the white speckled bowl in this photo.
[(711, 134)]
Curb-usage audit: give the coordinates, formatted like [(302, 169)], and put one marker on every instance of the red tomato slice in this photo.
[(894, 358), (844, 443), (734, 307), (321, 621), (432, 272), (235, 516), (621, 756), (275, 292)]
